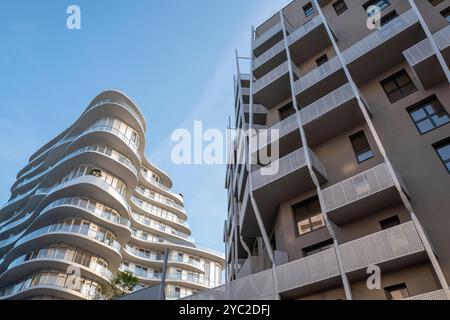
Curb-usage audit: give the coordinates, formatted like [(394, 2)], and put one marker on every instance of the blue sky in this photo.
[(174, 58)]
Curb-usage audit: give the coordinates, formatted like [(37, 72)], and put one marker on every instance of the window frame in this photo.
[(309, 7), (309, 217), (437, 146), (390, 220), (393, 78), (373, 3), (446, 14), (357, 153), (434, 3), (397, 287), (421, 105), (321, 60), (340, 10)]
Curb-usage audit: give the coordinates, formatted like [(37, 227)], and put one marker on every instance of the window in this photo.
[(308, 9), (322, 246), (389, 222), (397, 292), (435, 2), (340, 7), (361, 147), (389, 17), (429, 115), (398, 86), (443, 150), (382, 4), (286, 111), (308, 216), (446, 14), (321, 60)]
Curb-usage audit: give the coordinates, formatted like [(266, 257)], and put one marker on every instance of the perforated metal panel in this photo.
[(268, 34), (314, 268), (442, 38), (386, 32), (304, 29), (419, 52), (267, 55), (382, 246), (317, 74), (271, 76), (258, 286), (358, 187), (327, 103), (434, 295)]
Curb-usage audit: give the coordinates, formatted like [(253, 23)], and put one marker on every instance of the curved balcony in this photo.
[(147, 257), (186, 262), (161, 228), (160, 214), (49, 283), (166, 202), (83, 235), (102, 150), (16, 223), (107, 216), (56, 257), (87, 184), (191, 280), (161, 187), (145, 276)]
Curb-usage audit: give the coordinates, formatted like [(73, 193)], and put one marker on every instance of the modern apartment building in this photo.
[(90, 203), (364, 166)]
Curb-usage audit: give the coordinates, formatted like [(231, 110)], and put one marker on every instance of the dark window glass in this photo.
[(382, 4), (361, 147), (397, 292), (389, 17), (308, 9), (443, 150), (308, 216), (322, 246), (321, 60), (429, 115), (398, 86), (286, 111), (446, 14), (435, 2), (340, 7), (389, 222)]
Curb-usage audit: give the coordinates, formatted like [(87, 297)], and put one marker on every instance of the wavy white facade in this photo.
[(90, 201)]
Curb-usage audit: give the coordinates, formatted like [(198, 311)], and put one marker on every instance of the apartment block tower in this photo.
[(90, 203), (364, 168)]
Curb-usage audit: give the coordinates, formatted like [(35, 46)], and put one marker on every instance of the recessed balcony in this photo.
[(316, 272), (422, 59), (391, 248), (320, 81), (382, 49), (361, 194), (273, 87), (332, 114), (268, 39)]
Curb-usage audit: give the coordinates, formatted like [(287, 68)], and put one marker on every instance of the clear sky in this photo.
[(174, 58)]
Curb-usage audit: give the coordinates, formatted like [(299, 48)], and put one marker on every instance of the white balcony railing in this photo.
[(327, 103), (360, 186), (419, 52), (442, 38), (308, 270), (285, 165), (434, 295), (376, 38), (268, 78), (268, 34), (304, 29), (269, 54), (318, 74), (376, 248)]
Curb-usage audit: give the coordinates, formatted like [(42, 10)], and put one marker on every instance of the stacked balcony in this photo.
[(268, 38), (361, 194), (422, 58), (363, 58)]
